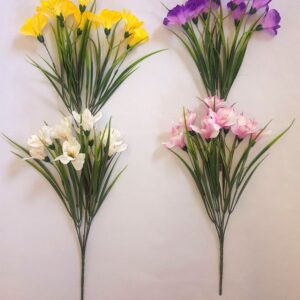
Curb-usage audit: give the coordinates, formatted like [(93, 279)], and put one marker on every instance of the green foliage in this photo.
[(90, 67), (218, 57)]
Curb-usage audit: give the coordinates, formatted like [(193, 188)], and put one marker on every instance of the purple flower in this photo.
[(195, 7), (211, 4), (177, 16), (233, 5), (270, 21), (257, 4), (239, 12)]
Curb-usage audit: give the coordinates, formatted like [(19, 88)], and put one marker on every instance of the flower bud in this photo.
[(82, 8)]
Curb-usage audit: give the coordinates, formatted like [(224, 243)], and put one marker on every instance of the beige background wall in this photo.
[(152, 239)]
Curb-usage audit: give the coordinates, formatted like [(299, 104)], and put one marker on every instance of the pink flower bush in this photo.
[(219, 116)]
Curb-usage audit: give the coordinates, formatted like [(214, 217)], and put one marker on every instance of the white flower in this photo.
[(45, 134), (86, 119), (116, 144), (36, 147), (63, 130), (37, 153), (71, 149)]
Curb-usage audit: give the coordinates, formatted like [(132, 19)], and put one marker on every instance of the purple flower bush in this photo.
[(218, 57)]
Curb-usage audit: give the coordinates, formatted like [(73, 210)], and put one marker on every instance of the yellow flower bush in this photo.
[(89, 67)]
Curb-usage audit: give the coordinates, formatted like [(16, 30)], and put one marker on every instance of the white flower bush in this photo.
[(67, 141)]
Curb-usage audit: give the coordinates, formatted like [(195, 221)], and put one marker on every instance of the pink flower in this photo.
[(225, 117), (209, 128), (244, 127), (260, 134), (214, 102), (190, 118), (177, 138)]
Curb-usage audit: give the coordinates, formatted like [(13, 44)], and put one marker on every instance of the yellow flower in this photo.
[(106, 18), (137, 36), (131, 22), (80, 18), (84, 2), (56, 8), (34, 26)]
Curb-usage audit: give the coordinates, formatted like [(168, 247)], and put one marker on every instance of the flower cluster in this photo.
[(79, 16), (192, 10), (73, 140), (219, 116)]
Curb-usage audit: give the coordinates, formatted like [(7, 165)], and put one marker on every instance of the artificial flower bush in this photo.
[(87, 62), (78, 161), (219, 144), (217, 48)]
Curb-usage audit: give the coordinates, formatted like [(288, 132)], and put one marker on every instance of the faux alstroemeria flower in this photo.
[(63, 130), (131, 22), (225, 117), (34, 26), (137, 36), (105, 18), (176, 139), (209, 128), (214, 102), (71, 153), (86, 119), (36, 148), (190, 119), (233, 4), (270, 22), (195, 7), (45, 135), (83, 4), (244, 127), (258, 4), (178, 15), (80, 18), (211, 4), (238, 8), (259, 134), (116, 144), (57, 8)]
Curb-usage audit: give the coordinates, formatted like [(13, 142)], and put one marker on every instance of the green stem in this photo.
[(82, 272), (221, 262)]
